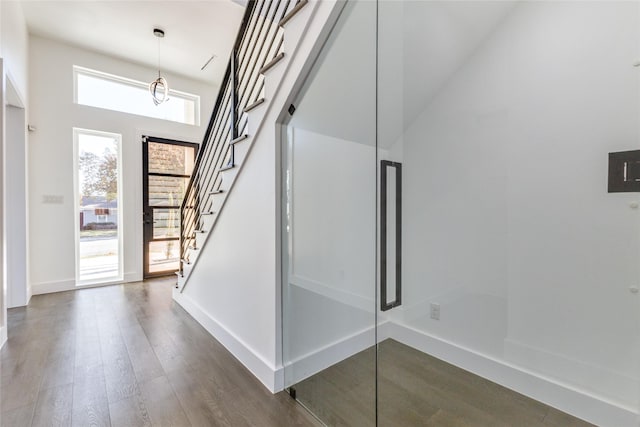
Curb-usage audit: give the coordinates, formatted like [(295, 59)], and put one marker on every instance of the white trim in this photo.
[(3, 335), (590, 407), (546, 390), (16, 259), (348, 298), (70, 284), (269, 375), (311, 363), (601, 382), (121, 229)]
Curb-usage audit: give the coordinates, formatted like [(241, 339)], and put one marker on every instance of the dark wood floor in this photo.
[(415, 389), (127, 356)]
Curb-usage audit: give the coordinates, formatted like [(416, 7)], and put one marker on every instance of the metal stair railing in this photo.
[(257, 46)]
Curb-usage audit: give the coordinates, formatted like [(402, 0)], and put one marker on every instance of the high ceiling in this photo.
[(420, 45), (194, 31)]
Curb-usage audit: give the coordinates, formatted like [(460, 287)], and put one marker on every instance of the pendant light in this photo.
[(159, 88)]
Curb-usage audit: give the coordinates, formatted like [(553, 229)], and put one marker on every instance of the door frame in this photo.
[(147, 211)]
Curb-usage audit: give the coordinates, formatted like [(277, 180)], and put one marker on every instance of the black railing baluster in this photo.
[(259, 34), (234, 101)]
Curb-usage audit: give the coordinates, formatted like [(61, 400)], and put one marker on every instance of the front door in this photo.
[(166, 169)]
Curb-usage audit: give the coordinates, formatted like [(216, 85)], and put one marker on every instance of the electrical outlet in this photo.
[(435, 311)]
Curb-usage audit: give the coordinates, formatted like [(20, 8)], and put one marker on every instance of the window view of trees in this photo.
[(98, 206), (100, 173)]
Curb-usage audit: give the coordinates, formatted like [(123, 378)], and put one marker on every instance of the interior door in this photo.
[(167, 166)]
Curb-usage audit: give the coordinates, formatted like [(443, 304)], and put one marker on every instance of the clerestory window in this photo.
[(102, 90)]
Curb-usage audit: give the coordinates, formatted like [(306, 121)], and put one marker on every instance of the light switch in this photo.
[(52, 199)]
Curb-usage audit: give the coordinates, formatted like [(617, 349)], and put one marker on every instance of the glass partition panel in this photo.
[(330, 227), (519, 267), (164, 256)]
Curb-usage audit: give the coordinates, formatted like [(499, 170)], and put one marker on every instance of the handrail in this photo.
[(216, 108), (259, 40)]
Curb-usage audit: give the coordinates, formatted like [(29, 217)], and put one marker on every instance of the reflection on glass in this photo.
[(170, 159), (99, 257), (517, 264), (166, 223), (330, 283), (169, 167), (164, 256), (166, 190)]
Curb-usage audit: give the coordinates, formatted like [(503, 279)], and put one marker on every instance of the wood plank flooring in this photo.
[(127, 356), (415, 389)]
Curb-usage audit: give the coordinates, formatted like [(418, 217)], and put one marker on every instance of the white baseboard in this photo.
[(561, 396), (337, 294), (3, 335), (54, 286), (271, 376), (604, 383), (311, 363), (70, 284)]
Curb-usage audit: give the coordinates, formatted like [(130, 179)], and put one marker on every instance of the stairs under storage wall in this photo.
[(229, 280), (245, 95)]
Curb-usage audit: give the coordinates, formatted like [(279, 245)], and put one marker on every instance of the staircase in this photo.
[(239, 108)]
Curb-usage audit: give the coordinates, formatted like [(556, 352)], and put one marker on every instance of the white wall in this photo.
[(333, 184), (52, 250), (331, 241), (329, 290), (507, 221), (15, 45), (14, 54)]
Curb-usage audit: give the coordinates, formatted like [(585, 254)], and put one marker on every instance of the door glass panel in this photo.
[(164, 256), (330, 228), (171, 159), (99, 202), (166, 223), (166, 190), (519, 268), (167, 166)]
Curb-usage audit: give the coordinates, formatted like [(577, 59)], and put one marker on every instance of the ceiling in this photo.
[(420, 45), (194, 31)]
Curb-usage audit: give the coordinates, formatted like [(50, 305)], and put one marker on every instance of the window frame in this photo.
[(79, 70), (119, 277)]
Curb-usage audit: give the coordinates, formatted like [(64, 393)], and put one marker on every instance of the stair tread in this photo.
[(292, 13), (269, 65), (239, 139), (254, 105)]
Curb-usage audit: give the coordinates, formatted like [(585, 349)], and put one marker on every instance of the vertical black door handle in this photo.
[(387, 167)]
